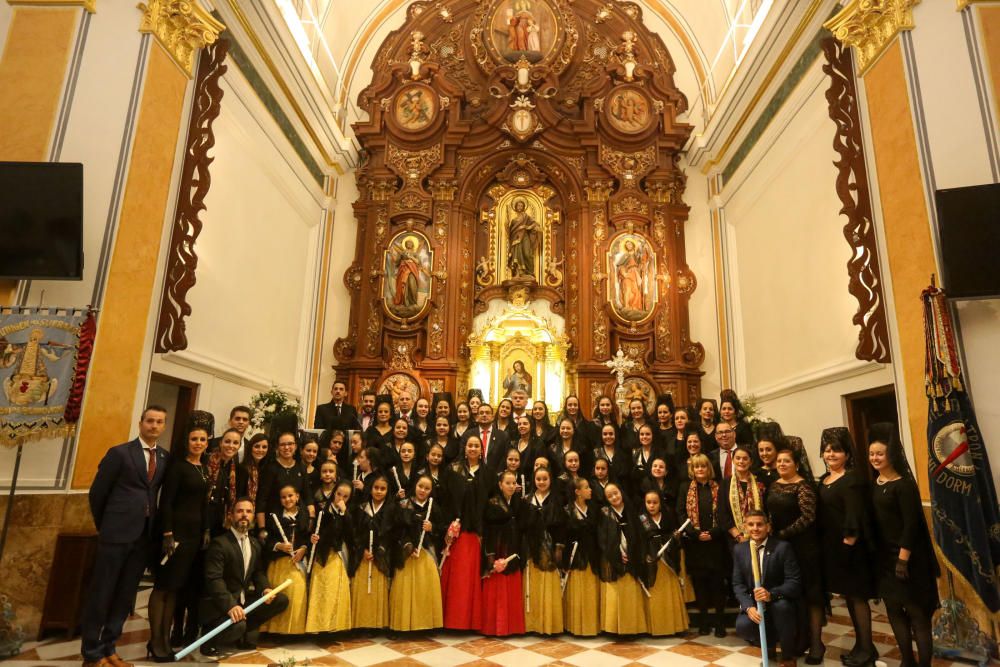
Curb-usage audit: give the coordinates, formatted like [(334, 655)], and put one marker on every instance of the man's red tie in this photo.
[(486, 442), (151, 468), (728, 472)]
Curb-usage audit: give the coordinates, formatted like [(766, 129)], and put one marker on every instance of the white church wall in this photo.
[(787, 268), (338, 304), (702, 308), (251, 325)]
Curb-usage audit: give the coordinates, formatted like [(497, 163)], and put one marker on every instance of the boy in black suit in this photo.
[(123, 503), (234, 578), (780, 588)]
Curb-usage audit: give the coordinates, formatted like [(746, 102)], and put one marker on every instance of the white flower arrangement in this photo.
[(272, 403)]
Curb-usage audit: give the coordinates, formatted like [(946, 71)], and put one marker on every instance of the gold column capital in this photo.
[(962, 4), (90, 6), (870, 26), (181, 27)]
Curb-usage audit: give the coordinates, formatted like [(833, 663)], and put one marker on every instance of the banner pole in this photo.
[(10, 500)]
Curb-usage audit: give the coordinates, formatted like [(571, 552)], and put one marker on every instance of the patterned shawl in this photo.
[(740, 503), (692, 502)]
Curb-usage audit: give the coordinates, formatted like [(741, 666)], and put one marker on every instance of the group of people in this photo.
[(413, 515)]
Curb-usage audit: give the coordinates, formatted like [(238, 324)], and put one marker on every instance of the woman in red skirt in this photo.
[(466, 488), (503, 605)]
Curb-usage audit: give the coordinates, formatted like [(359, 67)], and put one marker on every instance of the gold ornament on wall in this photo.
[(869, 26), (182, 27)]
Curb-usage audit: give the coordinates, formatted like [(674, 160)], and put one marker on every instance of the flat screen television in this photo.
[(969, 229), (41, 220)]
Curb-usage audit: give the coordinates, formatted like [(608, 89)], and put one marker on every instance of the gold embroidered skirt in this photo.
[(329, 597), (665, 610), (543, 605), (582, 603), (415, 596), (292, 621)]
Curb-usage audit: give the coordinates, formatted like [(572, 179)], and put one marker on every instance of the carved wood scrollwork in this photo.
[(195, 182), (853, 189)]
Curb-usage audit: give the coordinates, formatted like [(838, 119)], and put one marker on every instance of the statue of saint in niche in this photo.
[(523, 233), (518, 379)]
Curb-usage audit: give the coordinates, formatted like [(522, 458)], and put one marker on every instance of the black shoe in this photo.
[(720, 632), (704, 630), (859, 659), (209, 651), (815, 659), (246, 645)]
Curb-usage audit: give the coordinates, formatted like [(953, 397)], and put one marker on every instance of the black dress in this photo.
[(792, 508), (900, 523), (183, 512), (843, 512), (710, 557), (273, 478)]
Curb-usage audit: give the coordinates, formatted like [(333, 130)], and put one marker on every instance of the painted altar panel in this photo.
[(631, 270), (406, 286), (524, 29)]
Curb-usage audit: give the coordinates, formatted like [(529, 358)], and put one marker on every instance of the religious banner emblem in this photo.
[(631, 277), (406, 284), (415, 107), (41, 377), (524, 29), (629, 110)]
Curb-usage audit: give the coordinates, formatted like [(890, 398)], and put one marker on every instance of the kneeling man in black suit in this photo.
[(234, 578), (779, 590)]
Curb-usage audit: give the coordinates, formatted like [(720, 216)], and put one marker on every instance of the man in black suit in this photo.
[(366, 417), (404, 407), (337, 415), (234, 578), (495, 441), (722, 458), (123, 503), (780, 588)]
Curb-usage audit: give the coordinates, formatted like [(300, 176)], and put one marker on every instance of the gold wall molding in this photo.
[(182, 27), (89, 6), (870, 26), (962, 4)]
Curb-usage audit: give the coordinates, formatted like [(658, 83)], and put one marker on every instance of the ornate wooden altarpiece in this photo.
[(522, 151)]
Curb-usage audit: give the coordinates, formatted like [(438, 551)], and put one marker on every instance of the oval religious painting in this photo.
[(631, 277), (629, 110), (524, 29), (396, 384), (406, 283), (415, 107)]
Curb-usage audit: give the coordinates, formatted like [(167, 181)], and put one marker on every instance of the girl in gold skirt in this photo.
[(665, 610), (618, 537), (285, 545), (329, 608), (373, 544), (415, 597), (542, 525), (582, 599)]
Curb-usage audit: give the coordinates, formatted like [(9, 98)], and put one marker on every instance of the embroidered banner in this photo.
[(963, 497), (41, 381)]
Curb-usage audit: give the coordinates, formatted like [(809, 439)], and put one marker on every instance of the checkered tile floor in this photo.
[(445, 649)]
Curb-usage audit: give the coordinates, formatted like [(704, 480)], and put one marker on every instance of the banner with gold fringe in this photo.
[(964, 507), (41, 371)]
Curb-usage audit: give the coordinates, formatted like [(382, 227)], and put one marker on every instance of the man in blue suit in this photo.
[(779, 590), (123, 504)]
